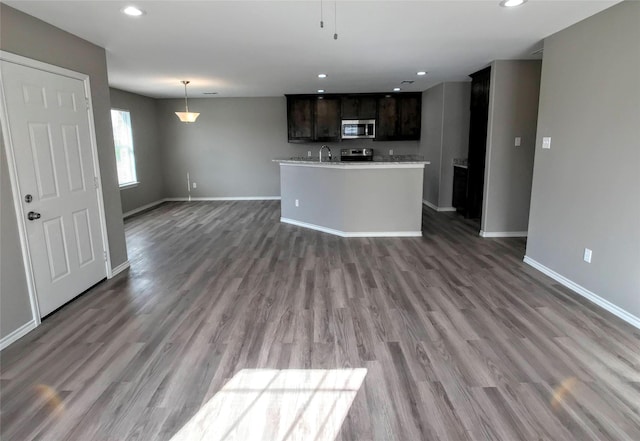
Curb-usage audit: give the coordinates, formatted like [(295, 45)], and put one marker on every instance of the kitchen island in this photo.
[(380, 198)]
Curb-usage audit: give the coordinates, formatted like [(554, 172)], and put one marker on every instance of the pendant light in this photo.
[(187, 116)]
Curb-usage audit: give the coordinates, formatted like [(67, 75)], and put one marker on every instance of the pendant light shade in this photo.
[(187, 116)]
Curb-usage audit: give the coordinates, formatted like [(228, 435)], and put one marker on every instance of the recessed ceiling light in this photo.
[(396, 89), (422, 73), (322, 75), (511, 3), (133, 11), (320, 90)]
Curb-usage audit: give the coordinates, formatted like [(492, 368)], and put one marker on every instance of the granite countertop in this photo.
[(460, 162), (377, 160)]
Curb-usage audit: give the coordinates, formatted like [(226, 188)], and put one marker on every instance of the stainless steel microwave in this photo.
[(356, 129)]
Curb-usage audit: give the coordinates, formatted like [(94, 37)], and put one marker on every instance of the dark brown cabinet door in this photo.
[(300, 110), (480, 84), (359, 107), (409, 118), (327, 119), (399, 117), (387, 124)]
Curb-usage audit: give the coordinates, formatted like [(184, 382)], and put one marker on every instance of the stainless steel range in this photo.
[(347, 155)]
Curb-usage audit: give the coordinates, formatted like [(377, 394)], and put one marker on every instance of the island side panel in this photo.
[(379, 201), (319, 194), (385, 200)]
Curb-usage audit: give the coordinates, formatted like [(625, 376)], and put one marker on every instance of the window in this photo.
[(123, 138)]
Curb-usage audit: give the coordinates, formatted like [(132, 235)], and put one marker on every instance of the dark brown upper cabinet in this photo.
[(300, 112), (318, 117), (359, 107), (399, 117), (327, 119)]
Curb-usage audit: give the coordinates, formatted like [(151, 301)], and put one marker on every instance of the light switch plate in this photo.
[(546, 142), (518, 141), (587, 255)]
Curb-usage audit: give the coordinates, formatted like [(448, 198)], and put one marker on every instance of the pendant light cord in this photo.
[(321, 16), (335, 20), (186, 103)]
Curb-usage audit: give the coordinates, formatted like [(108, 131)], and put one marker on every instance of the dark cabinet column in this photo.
[(477, 141)]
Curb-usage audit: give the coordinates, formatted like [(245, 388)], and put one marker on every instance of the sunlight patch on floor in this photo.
[(277, 405)]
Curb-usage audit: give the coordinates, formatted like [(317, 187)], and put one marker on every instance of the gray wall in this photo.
[(24, 35), (445, 136), (228, 151), (15, 308), (146, 147), (455, 135), (585, 188), (431, 141), (513, 111), (29, 37)]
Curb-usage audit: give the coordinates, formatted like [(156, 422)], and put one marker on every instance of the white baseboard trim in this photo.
[(238, 198), (118, 269), (503, 233), (584, 292), (143, 208), (352, 234), (430, 205), (17, 334), (436, 208)]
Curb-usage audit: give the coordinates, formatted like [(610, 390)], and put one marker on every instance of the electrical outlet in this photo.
[(195, 185), (390, 152), (309, 154), (587, 255), (518, 141), (297, 203), (546, 142)]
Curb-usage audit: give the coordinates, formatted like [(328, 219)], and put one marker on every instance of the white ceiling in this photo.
[(269, 48)]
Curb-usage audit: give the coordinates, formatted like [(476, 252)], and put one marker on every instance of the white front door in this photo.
[(48, 119)]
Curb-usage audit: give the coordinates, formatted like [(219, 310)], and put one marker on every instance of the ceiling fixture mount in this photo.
[(512, 3), (187, 116), (421, 73), (132, 11)]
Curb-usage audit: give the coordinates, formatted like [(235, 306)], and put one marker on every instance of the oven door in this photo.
[(354, 129)]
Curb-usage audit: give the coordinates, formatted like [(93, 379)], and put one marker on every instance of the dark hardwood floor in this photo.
[(460, 339)]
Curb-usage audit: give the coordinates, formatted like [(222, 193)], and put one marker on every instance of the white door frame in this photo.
[(13, 171)]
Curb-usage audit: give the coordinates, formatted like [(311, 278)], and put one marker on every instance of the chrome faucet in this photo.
[(320, 152)]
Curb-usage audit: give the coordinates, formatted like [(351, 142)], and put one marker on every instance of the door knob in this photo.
[(32, 215)]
